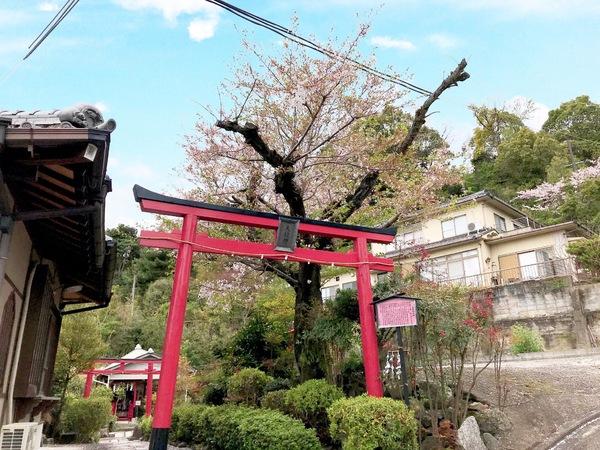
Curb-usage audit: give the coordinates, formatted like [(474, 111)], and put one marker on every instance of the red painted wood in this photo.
[(368, 330), (206, 244), (149, 391), (174, 331), (157, 207), (87, 390)]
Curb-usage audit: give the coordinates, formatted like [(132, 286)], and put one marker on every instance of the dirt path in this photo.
[(546, 398)]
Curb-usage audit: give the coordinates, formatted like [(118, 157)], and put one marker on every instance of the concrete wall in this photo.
[(566, 315)]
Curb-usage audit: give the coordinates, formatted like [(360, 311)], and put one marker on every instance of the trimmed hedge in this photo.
[(247, 386), (369, 423), (232, 427), (186, 421), (275, 400), (309, 402)]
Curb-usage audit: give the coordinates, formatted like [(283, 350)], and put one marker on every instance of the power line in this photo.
[(289, 34), (56, 20)]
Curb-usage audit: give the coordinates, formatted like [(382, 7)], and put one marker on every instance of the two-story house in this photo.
[(478, 240)]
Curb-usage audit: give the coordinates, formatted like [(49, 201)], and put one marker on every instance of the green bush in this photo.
[(186, 421), (309, 402), (275, 400), (369, 423), (145, 426), (85, 417), (233, 427), (100, 391), (247, 386), (587, 253), (214, 393), (277, 384), (525, 340)]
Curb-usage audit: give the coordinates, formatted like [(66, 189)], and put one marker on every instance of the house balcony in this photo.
[(546, 269)]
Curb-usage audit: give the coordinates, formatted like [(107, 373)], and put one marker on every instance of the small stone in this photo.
[(491, 442), (468, 435), (477, 406)]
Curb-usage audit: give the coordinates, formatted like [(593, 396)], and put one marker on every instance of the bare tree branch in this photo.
[(341, 210), (285, 182)]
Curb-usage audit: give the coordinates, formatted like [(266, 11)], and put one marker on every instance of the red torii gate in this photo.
[(150, 371), (188, 240)]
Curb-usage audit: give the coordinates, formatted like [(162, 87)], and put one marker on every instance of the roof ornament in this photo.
[(138, 347), (78, 116)]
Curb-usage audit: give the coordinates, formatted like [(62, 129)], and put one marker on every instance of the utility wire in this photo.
[(56, 20), (289, 34)]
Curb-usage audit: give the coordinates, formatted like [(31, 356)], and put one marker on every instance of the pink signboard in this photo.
[(396, 312)]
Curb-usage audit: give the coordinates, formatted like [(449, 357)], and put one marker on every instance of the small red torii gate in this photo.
[(188, 240), (150, 371)]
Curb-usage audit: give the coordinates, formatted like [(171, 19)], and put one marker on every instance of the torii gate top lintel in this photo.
[(153, 202)]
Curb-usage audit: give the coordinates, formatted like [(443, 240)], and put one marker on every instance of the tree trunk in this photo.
[(309, 357)]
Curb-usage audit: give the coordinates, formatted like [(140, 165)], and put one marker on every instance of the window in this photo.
[(349, 285), (500, 223), (328, 293), (454, 227), (459, 267)]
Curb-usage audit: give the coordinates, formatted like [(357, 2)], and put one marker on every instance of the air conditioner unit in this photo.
[(21, 436)]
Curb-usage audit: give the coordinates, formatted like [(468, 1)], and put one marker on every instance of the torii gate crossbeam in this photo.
[(188, 240)]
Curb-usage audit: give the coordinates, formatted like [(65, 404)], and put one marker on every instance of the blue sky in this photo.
[(149, 64)]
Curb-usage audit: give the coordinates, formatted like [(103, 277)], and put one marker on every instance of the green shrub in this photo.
[(587, 253), (214, 393), (309, 402), (275, 400), (277, 384), (85, 417), (369, 423), (525, 340), (101, 391), (145, 426), (186, 421), (243, 428), (247, 386), (236, 427)]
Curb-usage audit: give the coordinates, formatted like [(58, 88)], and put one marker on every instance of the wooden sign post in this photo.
[(397, 311)]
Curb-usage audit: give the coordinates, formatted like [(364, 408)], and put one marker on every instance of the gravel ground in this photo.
[(119, 441), (546, 398)]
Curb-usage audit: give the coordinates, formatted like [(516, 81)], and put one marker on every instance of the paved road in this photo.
[(586, 437)]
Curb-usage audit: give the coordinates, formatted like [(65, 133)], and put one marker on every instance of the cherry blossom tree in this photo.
[(547, 196), (291, 141)]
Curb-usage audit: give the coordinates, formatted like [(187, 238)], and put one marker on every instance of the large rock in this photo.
[(468, 435), (491, 443), (492, 421)]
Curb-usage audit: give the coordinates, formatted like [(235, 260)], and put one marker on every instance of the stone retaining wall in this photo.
[(567, 315)]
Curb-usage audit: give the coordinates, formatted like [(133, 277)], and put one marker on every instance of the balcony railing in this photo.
[(539, 271)]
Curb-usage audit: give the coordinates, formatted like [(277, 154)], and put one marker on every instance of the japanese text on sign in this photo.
[(397, 312)]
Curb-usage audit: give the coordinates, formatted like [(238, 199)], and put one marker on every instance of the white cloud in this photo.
[(171, 9), (48, 7), (443, 41), (388, 42), (532, 7), (201, 29), (536, 113)]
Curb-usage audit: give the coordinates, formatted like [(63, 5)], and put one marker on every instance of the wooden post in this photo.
[(89, 379), (149, 390), (368, 329)]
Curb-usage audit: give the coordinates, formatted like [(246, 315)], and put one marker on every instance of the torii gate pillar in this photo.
[(188, 241)]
